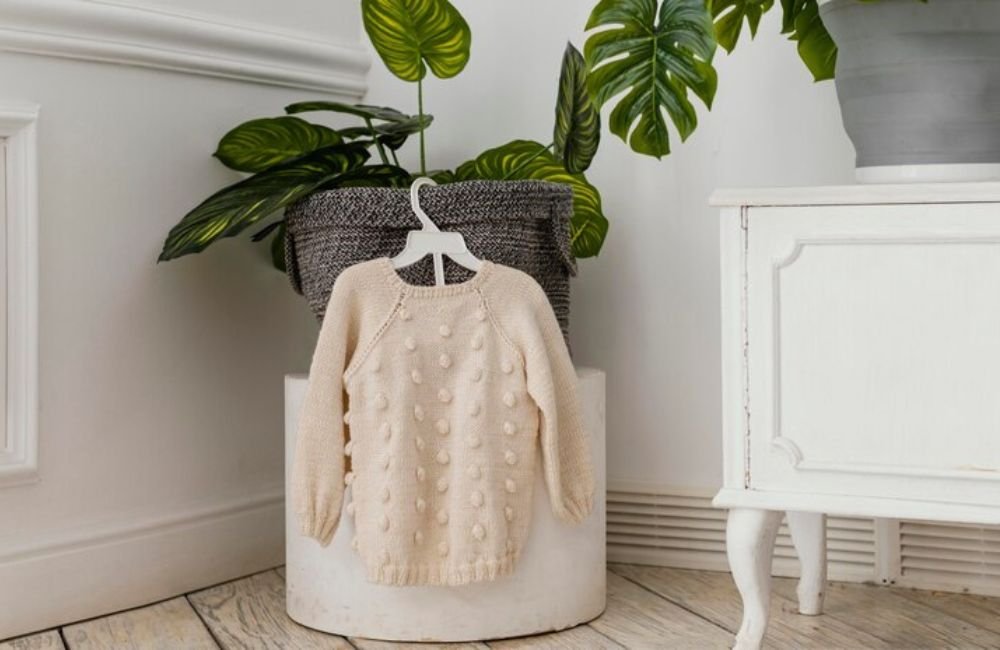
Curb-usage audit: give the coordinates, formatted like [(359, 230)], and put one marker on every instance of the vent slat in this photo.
[(949, 532), (662, 531), (670, 543), (679, 522), (950, 544), (667, 511), (965, 567), (686, 531)]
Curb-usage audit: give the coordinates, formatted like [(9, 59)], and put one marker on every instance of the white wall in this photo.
[(161, 436), (647, 309)]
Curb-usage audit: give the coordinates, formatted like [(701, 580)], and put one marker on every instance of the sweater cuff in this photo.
[(320, 530), (577, 507)]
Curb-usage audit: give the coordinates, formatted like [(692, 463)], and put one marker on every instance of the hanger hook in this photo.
[(415, 203)]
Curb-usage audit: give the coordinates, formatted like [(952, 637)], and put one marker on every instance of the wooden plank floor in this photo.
[(648, 607)]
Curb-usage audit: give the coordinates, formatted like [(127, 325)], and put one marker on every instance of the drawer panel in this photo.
[(873, 350)]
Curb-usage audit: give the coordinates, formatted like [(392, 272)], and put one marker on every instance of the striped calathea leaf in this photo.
[(233, 209), (258, 144), (577, 132), (652, 56), (529, 160), (411, 36)]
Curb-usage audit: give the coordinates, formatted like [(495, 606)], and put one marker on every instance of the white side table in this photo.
[(560, 580), (861, 367)]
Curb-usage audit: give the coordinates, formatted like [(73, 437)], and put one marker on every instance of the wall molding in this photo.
[(19, 433), (83, 574), (112, 33)]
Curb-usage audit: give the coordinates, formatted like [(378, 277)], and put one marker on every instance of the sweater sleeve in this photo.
[(318, 472), (552, 384)]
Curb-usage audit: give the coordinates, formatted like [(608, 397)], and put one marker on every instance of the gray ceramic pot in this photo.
[(919, 86)]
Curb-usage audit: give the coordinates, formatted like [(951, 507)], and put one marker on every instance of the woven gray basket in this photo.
[(522, 224)]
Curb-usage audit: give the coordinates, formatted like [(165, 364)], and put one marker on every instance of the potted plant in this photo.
[(918, 80), (317, 173)]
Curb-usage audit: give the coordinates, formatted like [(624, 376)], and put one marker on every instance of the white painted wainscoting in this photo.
[(158, 421), (18, 294), (678, 527)]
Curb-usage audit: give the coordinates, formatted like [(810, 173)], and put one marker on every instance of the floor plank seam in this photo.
[(612, 640), (674, 602), (204, 623)]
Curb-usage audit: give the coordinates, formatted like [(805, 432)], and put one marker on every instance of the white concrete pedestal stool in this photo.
[(559, 581)]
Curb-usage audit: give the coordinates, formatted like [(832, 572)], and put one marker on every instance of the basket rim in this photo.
[(518, 186)]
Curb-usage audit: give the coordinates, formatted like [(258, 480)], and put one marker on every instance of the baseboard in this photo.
[(129, 35), (102, 571)]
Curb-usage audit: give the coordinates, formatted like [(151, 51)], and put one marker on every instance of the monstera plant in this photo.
[(646, 58)]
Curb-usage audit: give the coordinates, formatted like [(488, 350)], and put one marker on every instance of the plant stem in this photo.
[(526, 162), (395, 160), (420, 111), (381, 149)]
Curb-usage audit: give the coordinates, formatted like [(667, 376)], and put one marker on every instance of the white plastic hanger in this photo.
[(429, 240)]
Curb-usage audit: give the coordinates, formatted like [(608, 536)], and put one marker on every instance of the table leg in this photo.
[(750, 535), (809, 537)]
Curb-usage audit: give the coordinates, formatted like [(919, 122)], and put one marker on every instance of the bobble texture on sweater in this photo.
[(441, 400)]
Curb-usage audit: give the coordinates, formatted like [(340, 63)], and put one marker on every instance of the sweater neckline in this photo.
[(434, 291)]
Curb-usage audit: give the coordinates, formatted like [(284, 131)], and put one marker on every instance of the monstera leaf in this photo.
[(729, 16), (232, 209), (656, 56), (258, 144), (801, 21), (524, 159), (413, 35), (578, 122)]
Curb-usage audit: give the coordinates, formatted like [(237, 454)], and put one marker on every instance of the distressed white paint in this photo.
[(19, 295), (871, 365), (559, 581), (750, 534), (809, 537)]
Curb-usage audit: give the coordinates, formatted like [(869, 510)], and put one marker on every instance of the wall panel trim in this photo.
[(96, 31), (19, 433)]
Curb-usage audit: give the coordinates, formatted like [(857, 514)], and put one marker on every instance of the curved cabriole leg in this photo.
[(809, 537), (750, 537)]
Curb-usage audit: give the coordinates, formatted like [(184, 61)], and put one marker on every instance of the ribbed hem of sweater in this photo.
[(442, 575)]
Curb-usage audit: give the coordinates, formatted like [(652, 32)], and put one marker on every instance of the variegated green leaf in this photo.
[(729, 16), (525, 159), (371, 176), (232, 209), (366, 111), (578, 122), (654, 57), (413, 35), (441, 176), (278, 248), (258, 144)]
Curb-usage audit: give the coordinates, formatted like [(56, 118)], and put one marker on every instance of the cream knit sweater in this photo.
[(452, 392)]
